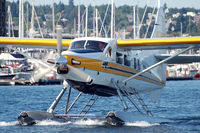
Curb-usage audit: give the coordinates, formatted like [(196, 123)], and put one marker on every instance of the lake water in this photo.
[(179, 102)]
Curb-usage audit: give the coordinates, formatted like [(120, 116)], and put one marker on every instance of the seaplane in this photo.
[(106, 67)]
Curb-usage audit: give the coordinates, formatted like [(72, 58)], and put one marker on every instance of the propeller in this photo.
[(80, 74), (61, 61), (46, 68), (42, 72)]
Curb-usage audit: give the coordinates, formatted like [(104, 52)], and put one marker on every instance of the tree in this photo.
[(165, 6), (122, 17), (71, 3)]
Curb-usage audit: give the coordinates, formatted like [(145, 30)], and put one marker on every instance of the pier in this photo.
[(179, 78), (5, 82)]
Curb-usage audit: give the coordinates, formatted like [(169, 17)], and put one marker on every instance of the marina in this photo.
[(99, 68)]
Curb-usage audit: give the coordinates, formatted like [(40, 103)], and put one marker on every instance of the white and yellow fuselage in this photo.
[(103, 66)]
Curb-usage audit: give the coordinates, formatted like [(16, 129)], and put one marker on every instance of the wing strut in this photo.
[(120, 95), (157, 64), (55, 102), (121, 88)]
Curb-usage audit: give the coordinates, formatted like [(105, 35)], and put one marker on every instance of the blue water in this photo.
[(179, 103)]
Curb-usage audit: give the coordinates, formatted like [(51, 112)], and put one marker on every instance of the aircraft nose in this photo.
[(61, 61), (61, 64)]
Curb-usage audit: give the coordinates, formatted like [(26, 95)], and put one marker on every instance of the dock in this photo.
[(8, 82), (179, 78)]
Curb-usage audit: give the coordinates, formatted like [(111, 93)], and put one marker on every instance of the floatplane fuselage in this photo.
[(102, 61), (97, 66)]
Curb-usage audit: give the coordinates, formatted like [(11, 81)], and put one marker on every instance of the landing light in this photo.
[(75, 62)]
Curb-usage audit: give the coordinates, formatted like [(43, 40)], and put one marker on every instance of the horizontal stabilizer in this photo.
[(181, 59)]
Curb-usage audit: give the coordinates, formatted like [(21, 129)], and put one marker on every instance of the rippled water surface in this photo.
[(179, 103)]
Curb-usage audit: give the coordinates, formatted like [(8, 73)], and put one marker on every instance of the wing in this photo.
[(164, 43), (39, 43)]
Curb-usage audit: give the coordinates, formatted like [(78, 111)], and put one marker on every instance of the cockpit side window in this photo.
[(96, 45), (77, 45), (89, 45)]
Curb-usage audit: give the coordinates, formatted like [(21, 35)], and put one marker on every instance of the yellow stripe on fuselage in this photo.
[(96, 65)]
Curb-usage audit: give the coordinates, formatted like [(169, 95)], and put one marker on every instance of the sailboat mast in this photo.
[(97, 23), (79, 20), (20, 18), (134, 23), (27, 27), (94, 21), (74, 28), (53, 19), (112, 12), (31, 32), (137, 23), (9, 20), (86, 21)]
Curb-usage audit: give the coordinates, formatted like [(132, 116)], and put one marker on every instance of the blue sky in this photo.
[(141, 3)]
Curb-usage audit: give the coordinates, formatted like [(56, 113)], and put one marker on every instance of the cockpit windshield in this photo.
[(89, 45)]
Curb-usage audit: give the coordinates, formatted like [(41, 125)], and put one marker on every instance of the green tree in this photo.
[(71, 3)]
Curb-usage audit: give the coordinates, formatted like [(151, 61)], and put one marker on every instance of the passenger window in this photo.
[(127, 61), (135, 63), (119, 58), (138, 64)]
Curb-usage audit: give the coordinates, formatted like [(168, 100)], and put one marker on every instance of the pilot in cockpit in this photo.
[(101, 46), (77, 46)]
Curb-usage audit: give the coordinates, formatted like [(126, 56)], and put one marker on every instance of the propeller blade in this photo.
[(40, 73), (82, 75), (36, 60), (59, 39)]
